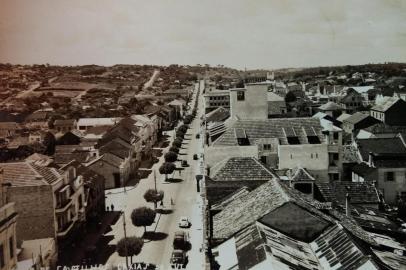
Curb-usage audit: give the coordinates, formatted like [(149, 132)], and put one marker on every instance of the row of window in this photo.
[(378, 116), (219, 98), (219, 104), (11, 251)]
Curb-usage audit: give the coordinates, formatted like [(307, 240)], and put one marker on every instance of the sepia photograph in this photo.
[(202, 135)]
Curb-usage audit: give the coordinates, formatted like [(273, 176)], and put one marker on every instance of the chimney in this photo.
[(347, 205), (371, 159)]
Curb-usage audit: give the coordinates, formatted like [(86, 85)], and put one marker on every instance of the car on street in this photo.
[(197, 136), (184, 163), (178, 259), (195, 157), (181, 240), (184, 222)]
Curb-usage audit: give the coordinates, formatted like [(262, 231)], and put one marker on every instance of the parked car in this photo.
[(184, 163), (181, 240), (195, 157), (184, 222), (178, 258)]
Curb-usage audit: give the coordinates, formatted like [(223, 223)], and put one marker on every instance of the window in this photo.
[(389, 176), (311, 155), (335, 135), (317, 155), (240, 95), (335, 156), (2, 262), (11, 246), (267, 147)]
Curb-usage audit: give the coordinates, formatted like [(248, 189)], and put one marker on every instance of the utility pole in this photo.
[(125, 241), (155, 181)]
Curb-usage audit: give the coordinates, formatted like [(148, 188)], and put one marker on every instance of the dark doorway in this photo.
[(117, 182)]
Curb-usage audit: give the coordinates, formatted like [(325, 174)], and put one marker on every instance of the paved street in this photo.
[(186, 203)]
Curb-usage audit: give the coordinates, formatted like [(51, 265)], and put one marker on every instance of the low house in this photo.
[(358, 121), (179, 105), (9, 129), (234, 173), (390, 111), (49, 201), (276, 105), (37, 120), (64, 125), (383, 163), (114, 169), (83, 124), (332, 109)]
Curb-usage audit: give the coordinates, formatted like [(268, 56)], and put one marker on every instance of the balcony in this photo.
[(66, 228), (63, 206)]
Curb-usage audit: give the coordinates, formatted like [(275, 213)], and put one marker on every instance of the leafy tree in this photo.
[(167, 168), (154, 196), (183, 128), (174, 149), (130, 246), (171, 156), (143, 216), (177, 143), (290, 97), (179, 133)]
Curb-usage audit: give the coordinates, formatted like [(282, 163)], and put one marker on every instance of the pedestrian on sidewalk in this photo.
[(171, 201), (112, 207)]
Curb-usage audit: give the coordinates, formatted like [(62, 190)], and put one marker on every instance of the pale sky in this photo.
[(235, 33)]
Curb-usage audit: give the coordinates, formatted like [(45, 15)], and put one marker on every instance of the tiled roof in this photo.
[(243, 169), (356, 118), (333, 249), (363, 169), (343, 116), (228, 199), (330, 106), (359, 192), (64, 122), (380, 146), (29, 174), (271, 128), (380, 128), (246, 210), (300, 174), (218, 115), (9, 126), (116, 148), (386, 103)]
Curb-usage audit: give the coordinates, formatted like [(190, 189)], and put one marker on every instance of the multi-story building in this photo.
[(390, 111), (215, 99), (50, 202), (8, 223)]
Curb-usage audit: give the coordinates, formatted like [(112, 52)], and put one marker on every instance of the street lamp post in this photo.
[(125, 241)]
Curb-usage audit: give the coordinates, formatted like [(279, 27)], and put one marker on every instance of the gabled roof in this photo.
[(380, 146), (386, 104), (356, 118), (218, 115), (9, 126), (228, 199), (29, 174), (330, 106), (246, 210), (111, 159), (273, 97), (279, 128), (343, 117), (359, 192), (64, 122), (299, 174), (243, 169), (98, 121)]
